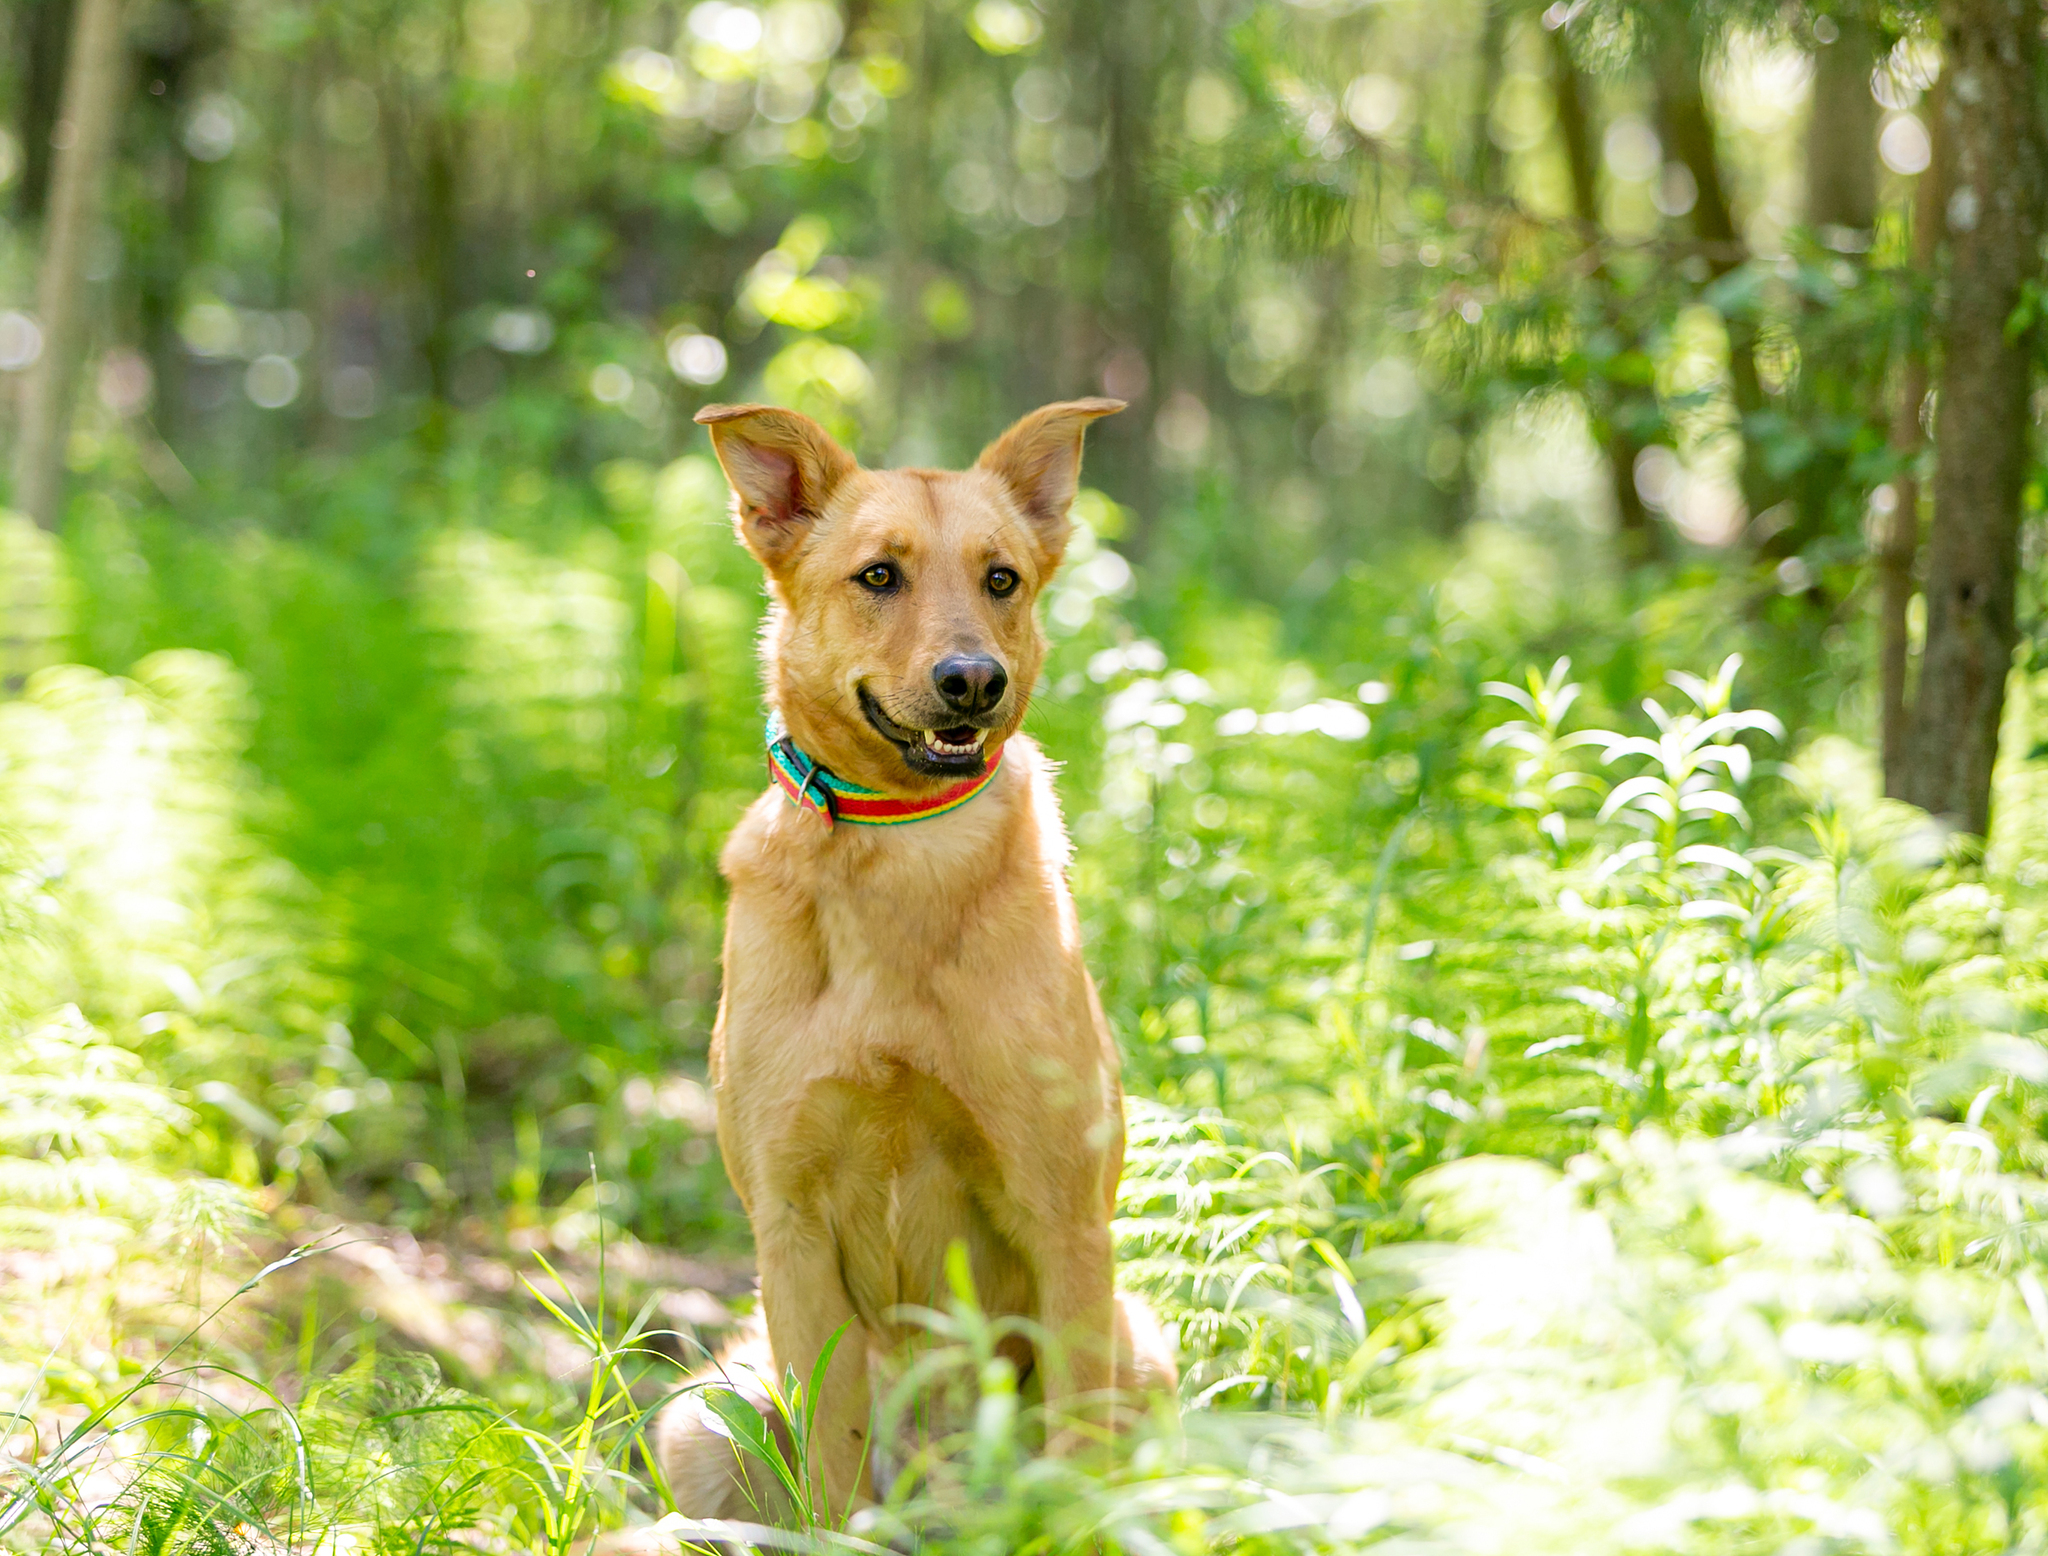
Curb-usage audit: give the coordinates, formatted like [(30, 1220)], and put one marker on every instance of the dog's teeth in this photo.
[(940, 747)]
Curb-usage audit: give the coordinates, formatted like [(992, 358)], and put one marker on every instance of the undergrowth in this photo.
[(1561, 1121)]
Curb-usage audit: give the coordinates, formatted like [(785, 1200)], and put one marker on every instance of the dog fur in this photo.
[(909, 1051)]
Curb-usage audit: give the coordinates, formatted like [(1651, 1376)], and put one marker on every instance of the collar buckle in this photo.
[(812, 786)]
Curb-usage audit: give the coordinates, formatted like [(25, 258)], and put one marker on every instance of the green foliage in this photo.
[(1569, 1111), (1551, 1122), (380, 1456)]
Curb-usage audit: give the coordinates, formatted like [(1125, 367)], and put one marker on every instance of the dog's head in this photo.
[(902, 645)]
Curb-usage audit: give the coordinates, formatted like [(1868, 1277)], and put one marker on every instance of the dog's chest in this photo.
[(888, 938), (927, 941), (904, 1172), (907, 1042)]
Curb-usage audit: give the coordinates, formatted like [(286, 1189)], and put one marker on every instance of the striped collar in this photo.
[(810, 787)]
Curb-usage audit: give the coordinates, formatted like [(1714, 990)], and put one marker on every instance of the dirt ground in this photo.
[(82, 1321)]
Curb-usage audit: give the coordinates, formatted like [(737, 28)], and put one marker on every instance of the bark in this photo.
[(1483, 178), (1898, 541), (1841, 137), (1639, 537), (437, 243), (1994, 217), (45, 34), (1484, 169), (1841, 205), (436, 229), (909, 185), (166, 225), (1575, 125), (85, 134), (1137, 286), (1687, 129)]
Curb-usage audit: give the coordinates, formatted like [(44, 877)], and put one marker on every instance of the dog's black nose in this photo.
[(970, 683)]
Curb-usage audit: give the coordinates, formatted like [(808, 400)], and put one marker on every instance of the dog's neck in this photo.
[(954, 857), (817, 790)]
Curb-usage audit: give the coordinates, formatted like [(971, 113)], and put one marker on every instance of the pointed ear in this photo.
[(1039, 460), (783, 468)]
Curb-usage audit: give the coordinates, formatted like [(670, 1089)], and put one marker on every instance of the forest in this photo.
[(1550, 683)]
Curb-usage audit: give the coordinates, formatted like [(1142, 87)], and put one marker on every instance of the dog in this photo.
[(909, 1053)]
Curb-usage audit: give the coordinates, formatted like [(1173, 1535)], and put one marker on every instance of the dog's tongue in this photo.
[(958, 735)]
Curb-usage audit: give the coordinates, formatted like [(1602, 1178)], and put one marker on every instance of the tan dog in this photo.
[(909, 1051)]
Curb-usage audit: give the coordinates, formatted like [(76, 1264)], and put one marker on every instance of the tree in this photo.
[(435, 159), (1841, 140), (165, 195), (41, 31), (1686, 125), (84, 135), (1995, 159), (1137, 288), (1639, 538), (1818, 420), (1898, 541)]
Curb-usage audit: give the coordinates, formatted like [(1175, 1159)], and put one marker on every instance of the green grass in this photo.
[(1558, 1123)]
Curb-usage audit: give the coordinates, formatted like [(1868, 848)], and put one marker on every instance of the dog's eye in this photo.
[(879, 577), (1001, 580)]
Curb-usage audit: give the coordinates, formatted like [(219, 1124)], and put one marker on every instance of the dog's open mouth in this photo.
[(960, 740), (954, 750)]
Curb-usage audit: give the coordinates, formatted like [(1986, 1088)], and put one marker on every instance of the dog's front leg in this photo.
[(1075, 1270), (806, 1303)]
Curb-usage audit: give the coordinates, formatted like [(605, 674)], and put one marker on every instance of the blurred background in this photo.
[(377, 686)]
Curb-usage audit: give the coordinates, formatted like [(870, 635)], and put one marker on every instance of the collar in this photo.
[(810, 787)]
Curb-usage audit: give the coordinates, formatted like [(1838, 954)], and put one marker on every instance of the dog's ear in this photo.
[(783, 468), (1039, 460)]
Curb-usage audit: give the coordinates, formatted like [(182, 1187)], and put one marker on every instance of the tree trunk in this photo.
[(1898, 539), (84, 135), (1687, 130), (167, 228), (1137, 221), (1483, 180), (908, 172), (44, 33), (437, 232), (1483, 169), (1994, 224), (1575, 124), (1639, 538), (1841, 207), (1841, 137), (441, 152)]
